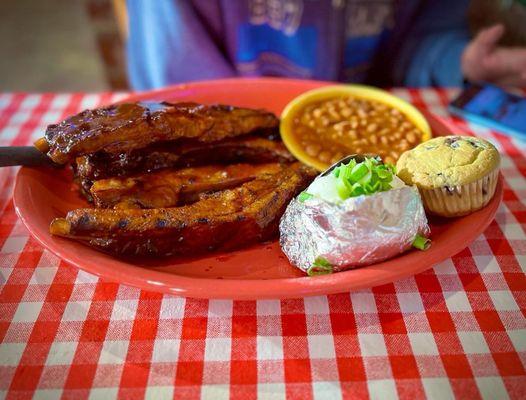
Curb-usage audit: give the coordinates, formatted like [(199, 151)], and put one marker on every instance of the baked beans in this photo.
[(330, 129)]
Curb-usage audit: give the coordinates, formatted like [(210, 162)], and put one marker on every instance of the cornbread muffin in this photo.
[(455, 175)]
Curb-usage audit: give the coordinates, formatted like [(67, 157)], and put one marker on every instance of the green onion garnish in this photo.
[(343, 189), (357, 190), (373, 187), (358, 172), (367, 177), (385, 186), (304, 196), (384, 172), (321, 266), (421, 242)]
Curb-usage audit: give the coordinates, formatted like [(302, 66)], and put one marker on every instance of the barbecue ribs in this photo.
[(124, 127), (247, 148), (175, 179), (169, 187), (224, 220)]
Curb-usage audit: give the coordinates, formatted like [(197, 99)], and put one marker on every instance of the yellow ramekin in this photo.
[(329, 92)]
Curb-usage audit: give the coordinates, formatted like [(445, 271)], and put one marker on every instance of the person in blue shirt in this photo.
[(381, 42)]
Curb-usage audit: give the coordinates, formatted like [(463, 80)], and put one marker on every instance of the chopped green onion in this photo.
[(385, 186), (421, 242), (321, 266), (367, 177), (373, 188), (343, 189), (357, 190), (304, 196), (345, 173), (383, 173), (358, 172)]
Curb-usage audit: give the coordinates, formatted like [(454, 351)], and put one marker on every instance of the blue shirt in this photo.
[(383, 42)]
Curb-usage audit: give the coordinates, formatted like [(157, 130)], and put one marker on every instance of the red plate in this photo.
[(258, 272)]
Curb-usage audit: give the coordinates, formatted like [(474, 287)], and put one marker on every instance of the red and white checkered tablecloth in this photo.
[(457, 330)]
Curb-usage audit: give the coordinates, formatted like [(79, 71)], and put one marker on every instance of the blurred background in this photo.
[(80, 45), (61, 46)]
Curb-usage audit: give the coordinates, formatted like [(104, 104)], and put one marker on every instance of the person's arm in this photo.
[(168, 44), (432, 50)]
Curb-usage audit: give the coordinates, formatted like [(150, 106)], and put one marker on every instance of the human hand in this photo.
[(484, 60)]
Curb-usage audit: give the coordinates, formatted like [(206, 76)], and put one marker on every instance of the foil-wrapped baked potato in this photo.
[(356, 213)]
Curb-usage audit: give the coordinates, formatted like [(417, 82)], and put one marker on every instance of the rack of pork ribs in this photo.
[(174, 179)]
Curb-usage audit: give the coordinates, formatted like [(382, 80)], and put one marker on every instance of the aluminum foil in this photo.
[(360, 231)]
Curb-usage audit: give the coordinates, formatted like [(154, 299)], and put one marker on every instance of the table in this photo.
[(457, 330)]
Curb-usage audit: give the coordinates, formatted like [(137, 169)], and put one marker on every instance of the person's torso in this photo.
[(322, 39)]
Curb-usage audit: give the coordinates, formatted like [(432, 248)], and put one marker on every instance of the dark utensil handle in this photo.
[(23, 155)]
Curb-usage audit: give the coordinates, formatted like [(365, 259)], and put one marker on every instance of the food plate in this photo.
[(258, 272)]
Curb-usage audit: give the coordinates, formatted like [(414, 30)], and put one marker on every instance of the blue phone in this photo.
[(493, 107)]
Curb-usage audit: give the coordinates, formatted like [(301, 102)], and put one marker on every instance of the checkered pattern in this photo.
[(455, 331)]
